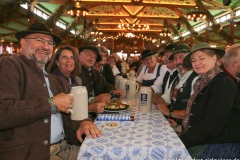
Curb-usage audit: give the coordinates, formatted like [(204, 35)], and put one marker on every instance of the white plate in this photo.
[(111, 124)]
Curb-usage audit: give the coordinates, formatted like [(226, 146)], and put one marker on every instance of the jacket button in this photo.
[(194, 102), (189, 126), (44, 85), (200, 93), (45, 142), (46, 121), (191, 114)]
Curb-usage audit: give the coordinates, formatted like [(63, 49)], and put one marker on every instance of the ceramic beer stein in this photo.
[(117, 78), (80, 103), (132, 75), (145, 99), (131, 89), (122, 85)]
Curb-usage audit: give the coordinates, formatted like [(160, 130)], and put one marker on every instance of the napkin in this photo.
[(114, 117)]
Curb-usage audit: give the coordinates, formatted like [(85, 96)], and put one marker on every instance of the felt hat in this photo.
[(203, 45), (92, 48), (147, 53), (168, 48), (38, 27), (180, 48), (186, 62)]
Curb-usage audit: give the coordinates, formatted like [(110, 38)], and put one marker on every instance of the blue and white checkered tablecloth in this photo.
[(148, 137)]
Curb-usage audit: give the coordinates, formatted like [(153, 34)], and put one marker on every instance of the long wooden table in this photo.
[(149, 136)]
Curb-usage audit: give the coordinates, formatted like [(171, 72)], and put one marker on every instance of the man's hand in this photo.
[(63, 102), (89, 129), (120, 92), (96, 107), (163, 108), (104, 98)]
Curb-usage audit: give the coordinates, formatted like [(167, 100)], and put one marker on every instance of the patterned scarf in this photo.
[(199, 85)]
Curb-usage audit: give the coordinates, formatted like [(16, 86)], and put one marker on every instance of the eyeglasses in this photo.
[(43, 41)]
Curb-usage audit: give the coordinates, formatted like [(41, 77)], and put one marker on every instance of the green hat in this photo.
[(147, 53), (180, 48), (203, 45), (168, 48)]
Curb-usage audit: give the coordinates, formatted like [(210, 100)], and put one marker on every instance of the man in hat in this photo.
[(174, 101), (152, 72), (171, 69), (34, 106), (98, 89)]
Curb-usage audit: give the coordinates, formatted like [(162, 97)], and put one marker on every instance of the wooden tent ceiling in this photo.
[(105, 16)]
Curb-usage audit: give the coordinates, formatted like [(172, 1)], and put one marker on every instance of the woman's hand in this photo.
[(120, 92), (172, 123), (102, 98), (96, 107)]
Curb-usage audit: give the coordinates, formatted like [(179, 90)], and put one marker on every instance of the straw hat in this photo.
[(38, 27)]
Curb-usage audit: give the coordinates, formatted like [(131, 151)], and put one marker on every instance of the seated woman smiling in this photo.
[(212, 124), (65, 64)]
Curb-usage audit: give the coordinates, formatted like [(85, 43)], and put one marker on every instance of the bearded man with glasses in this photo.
[(34, 122)]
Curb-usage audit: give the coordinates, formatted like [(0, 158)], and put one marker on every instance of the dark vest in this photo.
[(183, 95), (165, 79), (151, 82)]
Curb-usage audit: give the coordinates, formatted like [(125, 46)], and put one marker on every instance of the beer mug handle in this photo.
[(137, 87), (70, 110)]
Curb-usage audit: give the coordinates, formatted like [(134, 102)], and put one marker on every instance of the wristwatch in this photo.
[(54, 109)]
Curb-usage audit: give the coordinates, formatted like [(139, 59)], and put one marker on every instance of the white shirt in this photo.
[(115, 70), (171, 73), (144, 75), (167, 95), (57, 131)]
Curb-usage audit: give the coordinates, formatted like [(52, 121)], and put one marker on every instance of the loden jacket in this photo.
[(25, 114), (215, 114)]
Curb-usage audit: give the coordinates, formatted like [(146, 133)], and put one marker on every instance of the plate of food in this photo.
[(116, 105)]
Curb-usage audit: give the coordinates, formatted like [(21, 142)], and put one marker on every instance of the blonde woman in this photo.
[(212, 124)]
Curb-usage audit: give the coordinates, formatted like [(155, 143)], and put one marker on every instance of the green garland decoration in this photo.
[(58, 13), (8, 10), (216, 28), (183, 20)]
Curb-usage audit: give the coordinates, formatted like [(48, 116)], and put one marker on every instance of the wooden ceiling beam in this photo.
[(120, 17), (217, 5), (91, 4), (7, 28)]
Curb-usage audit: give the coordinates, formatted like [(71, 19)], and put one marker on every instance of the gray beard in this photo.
[(42, 62)]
